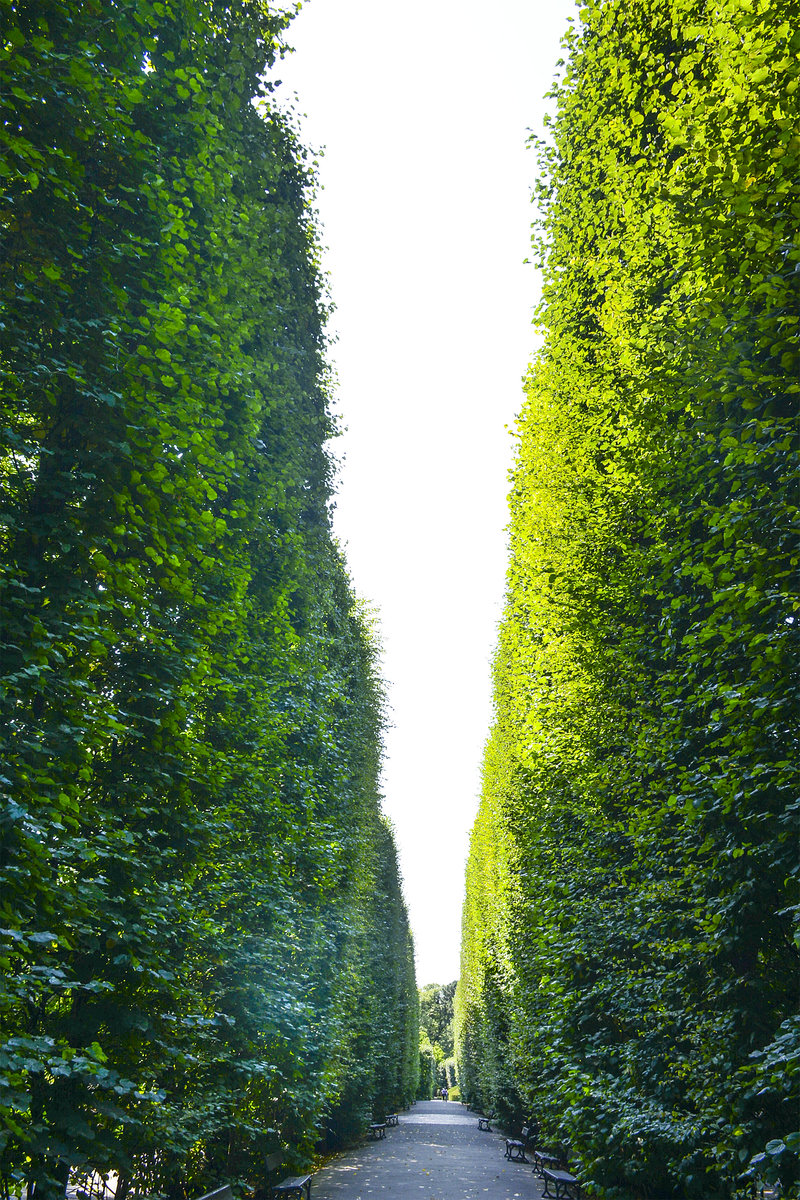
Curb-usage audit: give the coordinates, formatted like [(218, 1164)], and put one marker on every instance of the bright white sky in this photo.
[(422, 108)]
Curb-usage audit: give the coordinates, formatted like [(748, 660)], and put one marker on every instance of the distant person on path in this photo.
[(444, 1093)]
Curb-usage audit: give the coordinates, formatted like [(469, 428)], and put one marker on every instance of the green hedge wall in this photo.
[(630, 955), (197, 879)]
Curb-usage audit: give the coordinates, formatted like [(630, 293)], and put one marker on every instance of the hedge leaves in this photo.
[(630, 956), (197, 880)]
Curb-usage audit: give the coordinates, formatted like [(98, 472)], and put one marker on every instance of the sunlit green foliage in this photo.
[(203, 938), (629, 966), (437, 1065), (436, 1014)]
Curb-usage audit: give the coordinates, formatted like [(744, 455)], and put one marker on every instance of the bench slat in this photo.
[(223, 1193)]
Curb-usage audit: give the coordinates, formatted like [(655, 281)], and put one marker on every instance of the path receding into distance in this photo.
[(436, 1152)]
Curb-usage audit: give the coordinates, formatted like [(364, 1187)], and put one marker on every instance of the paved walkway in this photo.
[(435, 1153)]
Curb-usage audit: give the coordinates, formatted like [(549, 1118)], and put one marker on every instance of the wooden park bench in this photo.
[(551, 1160), (391, 1118), (516, 1147), (377, 1130), (566, 1185), (483, 1123), (292, 1185)]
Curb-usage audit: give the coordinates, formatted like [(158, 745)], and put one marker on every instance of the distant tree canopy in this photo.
[(436, 1014), (630, 956), (436, 1045), (205, 952)]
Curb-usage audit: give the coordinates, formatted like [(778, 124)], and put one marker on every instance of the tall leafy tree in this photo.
[(436, 1014)]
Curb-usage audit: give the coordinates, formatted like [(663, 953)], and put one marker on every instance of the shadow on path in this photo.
[(435, 1153)]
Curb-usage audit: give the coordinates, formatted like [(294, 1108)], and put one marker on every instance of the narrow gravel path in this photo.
[(435, 1153)]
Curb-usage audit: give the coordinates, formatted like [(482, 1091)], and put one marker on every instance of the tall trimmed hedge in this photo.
[(630, 954), (197, 879)]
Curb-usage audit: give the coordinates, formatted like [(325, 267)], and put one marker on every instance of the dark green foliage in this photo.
[(427, 1071), (630, 956), (202, 925)]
